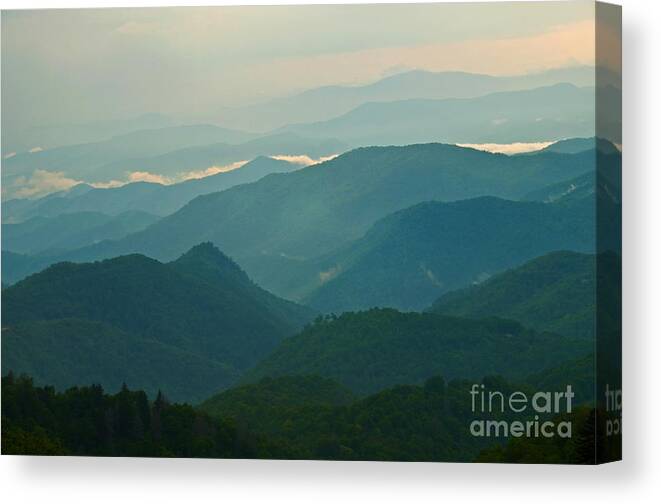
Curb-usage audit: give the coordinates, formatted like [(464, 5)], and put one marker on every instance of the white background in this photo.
[(637, 479)]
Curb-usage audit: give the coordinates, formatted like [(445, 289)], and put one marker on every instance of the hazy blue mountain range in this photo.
[(274, 225), (330, 101), (556, 292), (48, 137), (372, 350), (167, 153), (93, 161), (202, 304), (553, 112), (310, 105), (71, 230), (409, 258), (139, 196), (549, 113), (220, 154)]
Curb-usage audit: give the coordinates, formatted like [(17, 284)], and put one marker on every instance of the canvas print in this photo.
[(336, 232)]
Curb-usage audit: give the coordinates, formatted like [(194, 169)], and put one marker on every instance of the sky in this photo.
[(73, 66)]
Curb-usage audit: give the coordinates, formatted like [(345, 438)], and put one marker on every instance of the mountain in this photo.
[(580, 373), (330, 101), (71, 230), (372, 350), (548, 113), (409, 258), (169, 154), (555, 292), (266, 405), (90, 161), (200, 158), (603, 187), (273, 226), (68, 352), (427, 422), (15, 266), (202, 304), (576, 188), (154, 198), (88, 421), (48, 137), (575, 145), (411, 423)]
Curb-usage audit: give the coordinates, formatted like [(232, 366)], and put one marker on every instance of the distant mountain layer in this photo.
[(556, 292), (48, 137), (87, 161), (201, 305), (310, 105), (372, 350), (169, 154), (547, 113), (141, 196), (409, 258), (71, 230), (330, 101)]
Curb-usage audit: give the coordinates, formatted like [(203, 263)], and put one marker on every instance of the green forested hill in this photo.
[(289, 417), (68, 352), (409, 258), (202, 304), (269, 404), (427, 422), (372, 350), (580, 373), (556, 292), (87, 421), (405, 423)]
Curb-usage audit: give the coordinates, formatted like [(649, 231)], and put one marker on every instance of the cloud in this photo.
[(325, 276), (156, 178), (430, 276), (144, 176), (512, 148), (302, 159), (108, 185), (212, 170), (42, 182)]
